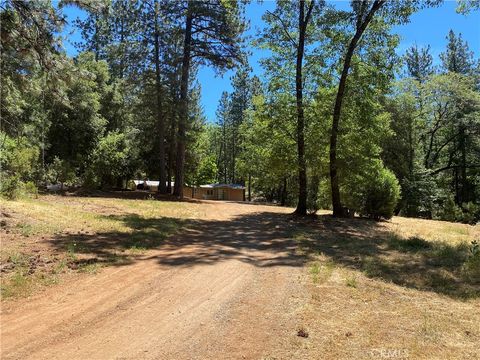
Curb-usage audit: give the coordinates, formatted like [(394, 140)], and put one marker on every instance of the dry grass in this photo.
[(434, 231), (43, 239), (392, 290)]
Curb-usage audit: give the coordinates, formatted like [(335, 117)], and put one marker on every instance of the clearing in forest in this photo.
[(98, 278)]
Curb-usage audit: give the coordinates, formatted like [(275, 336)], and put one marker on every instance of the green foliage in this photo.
[(374, 194), (470, 213), (419, 62), (18, 166), (10, 187), (61, 171), (457, 58), (381, 195), (114, 157), (78, 124), (206, 171), (18, 157), (313, 202), (450, 211)]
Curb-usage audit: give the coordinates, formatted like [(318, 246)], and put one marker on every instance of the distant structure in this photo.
[(232, 192)]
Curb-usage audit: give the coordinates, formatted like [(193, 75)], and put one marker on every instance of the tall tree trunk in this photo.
[(234, 155), (284, 192), (171, 156), (249, 187), (302, 167), (162, 188), (362, 23), (464, 195), (183, 118), (224, 152)]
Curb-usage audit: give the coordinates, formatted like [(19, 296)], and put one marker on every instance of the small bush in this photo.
[(61, 171), (470, 213), (9, 186), (380, 195), (30, 188), (450, 211)]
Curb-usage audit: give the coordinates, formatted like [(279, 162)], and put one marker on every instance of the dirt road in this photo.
[(228, 286)]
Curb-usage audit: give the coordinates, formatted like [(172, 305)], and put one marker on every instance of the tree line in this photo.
[(338, 120)]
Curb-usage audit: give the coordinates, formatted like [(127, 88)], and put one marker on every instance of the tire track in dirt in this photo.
[(210, 293)]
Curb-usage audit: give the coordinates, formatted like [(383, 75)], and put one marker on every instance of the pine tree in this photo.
[(212, 36), (457, 58), (223, 120), (419, 62)]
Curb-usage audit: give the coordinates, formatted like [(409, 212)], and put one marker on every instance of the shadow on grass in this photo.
[(370, 247), (268, 239)]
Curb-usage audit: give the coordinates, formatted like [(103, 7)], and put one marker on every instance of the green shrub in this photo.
[(381, 195), (18, 158), (372, 191), (19, 165), (470, 213), (60, 171), (471, 267), (450, 211), (114, 157), (30, 188), (9, 186)]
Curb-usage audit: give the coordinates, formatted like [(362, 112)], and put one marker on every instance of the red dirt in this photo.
[(222, 289)]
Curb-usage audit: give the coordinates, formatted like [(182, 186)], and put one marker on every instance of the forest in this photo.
[(338, 121)]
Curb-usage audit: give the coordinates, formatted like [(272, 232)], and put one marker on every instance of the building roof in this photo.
[(230, 186), (149, 182), (208, 186)]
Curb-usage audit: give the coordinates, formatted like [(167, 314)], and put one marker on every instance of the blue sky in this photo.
[(427, 27)]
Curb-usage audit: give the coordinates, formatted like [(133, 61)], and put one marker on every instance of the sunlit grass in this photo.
[(80, 223)]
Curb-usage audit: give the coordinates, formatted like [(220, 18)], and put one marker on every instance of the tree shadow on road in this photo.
[(262, 239)]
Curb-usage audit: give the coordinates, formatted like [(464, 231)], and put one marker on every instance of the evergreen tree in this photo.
[(223, 117), (457, 58), (419, 62), (211, 36)]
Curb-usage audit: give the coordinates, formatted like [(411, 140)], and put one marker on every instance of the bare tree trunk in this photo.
[(171, 156), (162, 189), (302, 167), (224, 153), (284, 192), (362, 23), (183, 118), (233, 153), (249, 187), (464, 194)]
